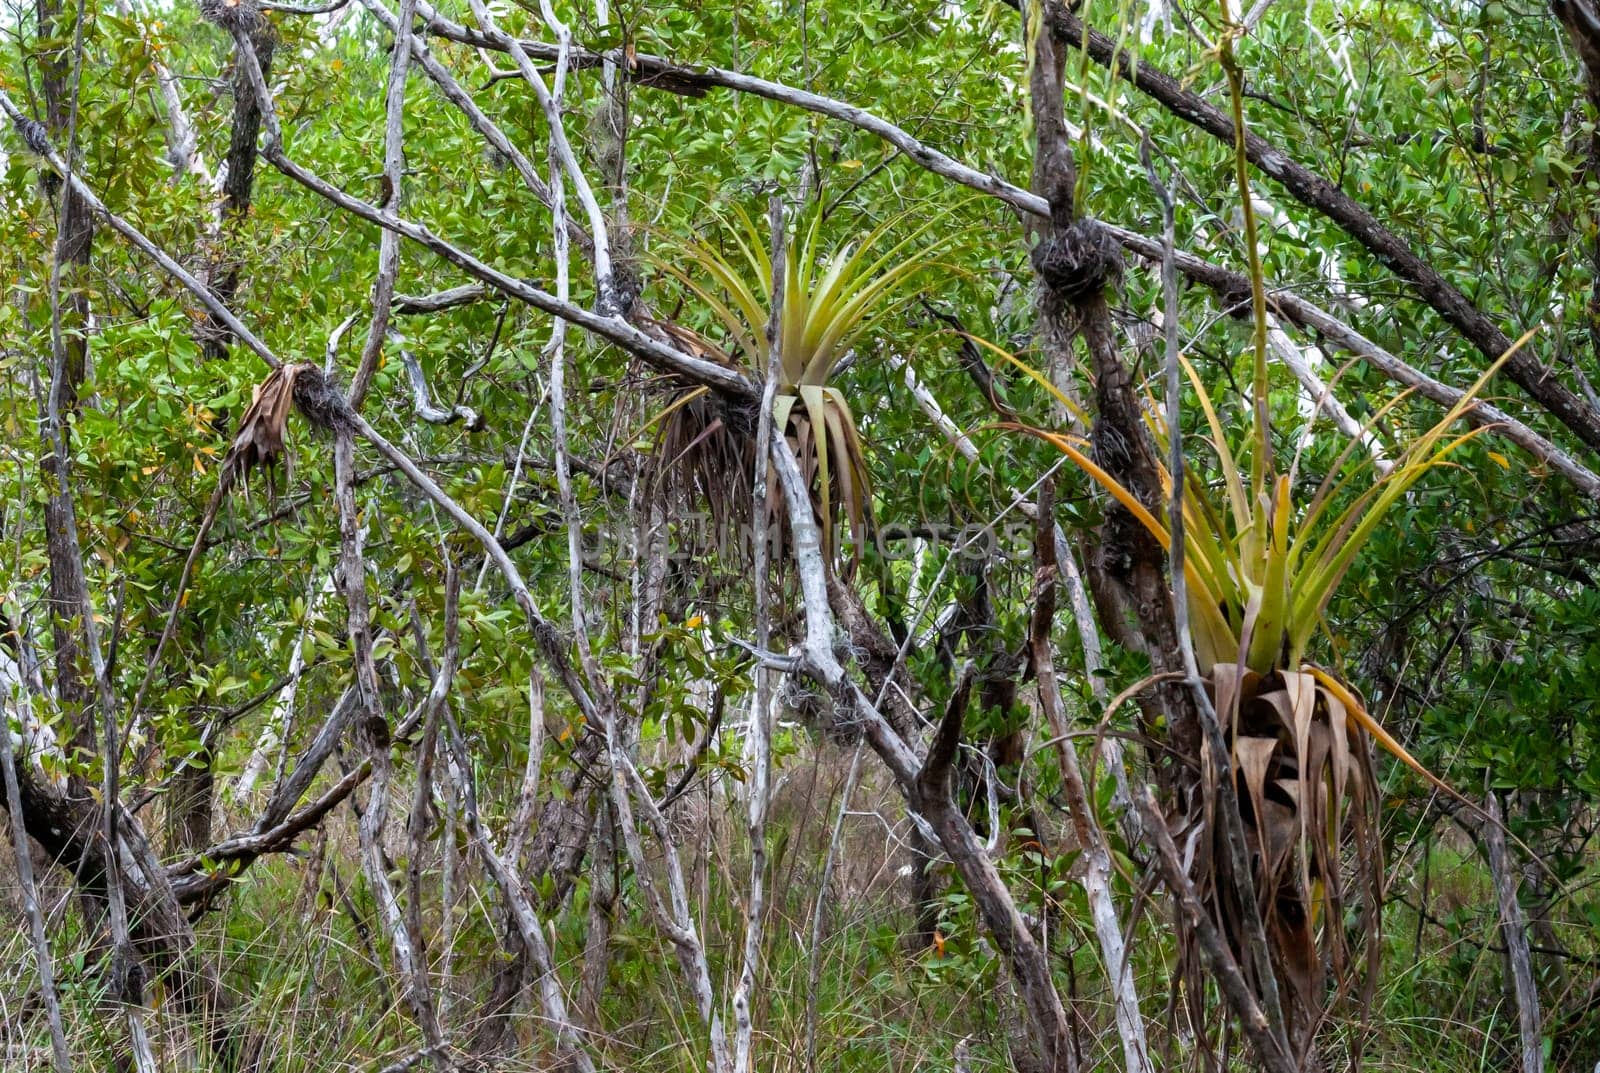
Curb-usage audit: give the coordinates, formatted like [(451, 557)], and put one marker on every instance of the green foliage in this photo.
[(1469, 614)]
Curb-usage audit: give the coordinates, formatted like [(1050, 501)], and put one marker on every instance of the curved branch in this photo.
[(653, 70), (422, 399), (1317, 193)]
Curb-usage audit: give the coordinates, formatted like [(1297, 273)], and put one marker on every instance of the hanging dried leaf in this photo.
[(1308, 802), (261, 436)]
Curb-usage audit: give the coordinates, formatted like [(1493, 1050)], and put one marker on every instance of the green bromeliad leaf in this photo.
[(830, 300)]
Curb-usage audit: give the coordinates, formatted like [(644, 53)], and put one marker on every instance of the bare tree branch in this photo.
[(560, 148), (374, 732), (607, 325), (480, 121), (1091, 839), (1229, 285), (759, 789), (1029, 966), (1219, 958), (241, 851), (394, 168)]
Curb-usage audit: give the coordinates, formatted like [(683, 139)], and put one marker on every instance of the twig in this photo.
[(394, 167), (288, 789), (556, 350), (275, 731), (127, 982), (1514, 927), (644, 68), (760, 786), (1228, 285), (672, 917), (43, 962), (528, 794), (480, 122), (719, 706), (299, 9), (440, 301), (1070, 575), (181, 148)]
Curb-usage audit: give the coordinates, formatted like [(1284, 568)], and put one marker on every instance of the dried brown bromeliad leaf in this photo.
[(1308, 798), (260, 439)]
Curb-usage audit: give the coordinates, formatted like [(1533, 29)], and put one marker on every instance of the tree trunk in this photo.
[(69, 346)]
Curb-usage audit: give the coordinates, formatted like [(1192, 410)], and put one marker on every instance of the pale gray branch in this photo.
[(394, 167)]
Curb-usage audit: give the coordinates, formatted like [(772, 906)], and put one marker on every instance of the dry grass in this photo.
[(306, 967)]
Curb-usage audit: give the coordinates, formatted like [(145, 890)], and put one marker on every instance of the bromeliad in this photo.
[(829, 301), (1261, 571)]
